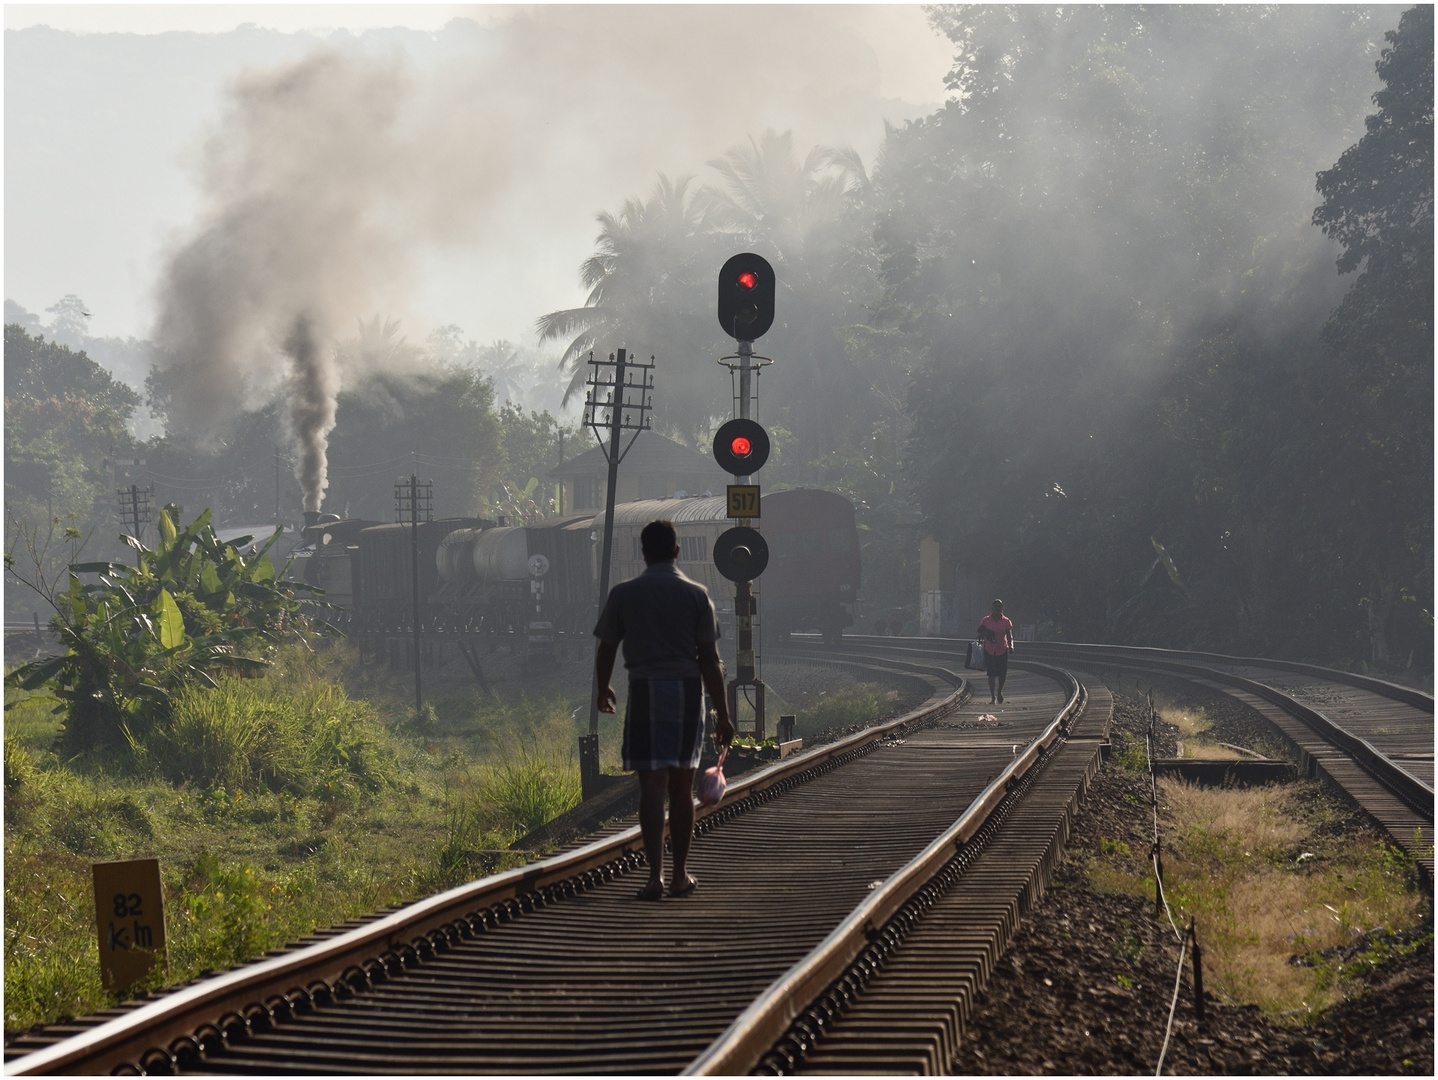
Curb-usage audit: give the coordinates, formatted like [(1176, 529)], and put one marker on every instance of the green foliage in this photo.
[(1084, 390), (246, 735), (436, 419), (440, 422), (65, 420), (223, 904), (275, 804), (193, 606), (19, 764), (529, 448), (1129, 752), (1372, 393), (37, 370), (527, 791), (862, 704)]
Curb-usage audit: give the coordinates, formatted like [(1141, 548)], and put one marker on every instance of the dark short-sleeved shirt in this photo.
[(662, 617)]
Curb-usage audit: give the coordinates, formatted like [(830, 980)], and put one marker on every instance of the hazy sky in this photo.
[(109, 108)]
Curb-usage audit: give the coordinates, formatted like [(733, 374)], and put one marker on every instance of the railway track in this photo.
[(853, 901), (1372, 739), (806, 868)]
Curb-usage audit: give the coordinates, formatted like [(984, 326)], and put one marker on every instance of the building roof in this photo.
[(651, 452)]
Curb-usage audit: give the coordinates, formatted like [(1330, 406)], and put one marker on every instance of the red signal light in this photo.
[(747, 280), (741, 447)]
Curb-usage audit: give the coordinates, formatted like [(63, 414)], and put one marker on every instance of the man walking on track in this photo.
[(997, 632), (670, 636)]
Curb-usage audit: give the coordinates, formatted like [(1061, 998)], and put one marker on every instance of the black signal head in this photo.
[(741, 447), (746, 297), (740, 553)]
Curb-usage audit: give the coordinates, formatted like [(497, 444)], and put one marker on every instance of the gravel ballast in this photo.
[(1086, 986)]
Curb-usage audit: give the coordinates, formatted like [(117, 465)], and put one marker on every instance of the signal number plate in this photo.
[(743, 500)]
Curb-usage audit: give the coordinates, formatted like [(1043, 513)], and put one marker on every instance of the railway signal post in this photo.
[(741, 446), (620, 395)]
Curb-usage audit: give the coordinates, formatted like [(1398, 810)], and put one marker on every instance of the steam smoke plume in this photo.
[(294, 243), (312, 388)]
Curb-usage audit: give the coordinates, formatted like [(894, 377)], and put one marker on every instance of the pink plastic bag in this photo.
[(712, 782)]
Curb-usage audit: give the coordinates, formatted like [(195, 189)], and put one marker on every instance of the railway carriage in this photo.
[(476, 575), (814, 569)]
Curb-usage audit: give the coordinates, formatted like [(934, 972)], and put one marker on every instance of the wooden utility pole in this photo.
[(414, 498), (615, 403)]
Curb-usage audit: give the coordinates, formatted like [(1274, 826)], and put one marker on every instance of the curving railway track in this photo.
[(1372, 739), (853, 902)]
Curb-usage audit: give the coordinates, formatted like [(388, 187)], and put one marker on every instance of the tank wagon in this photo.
[(813, 576), (476, 575)]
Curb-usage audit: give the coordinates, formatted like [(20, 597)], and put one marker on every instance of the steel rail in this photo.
[(153, 1034), (1399, 801), (741, 1047), (951, 646), (1406, 694), (1402, 784)]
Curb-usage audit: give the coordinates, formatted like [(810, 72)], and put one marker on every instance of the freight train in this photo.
[(482, 576)]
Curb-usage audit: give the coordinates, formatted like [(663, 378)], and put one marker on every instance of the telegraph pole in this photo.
[(277, 485), (412, 498), (135, 510), (615, 403), (559, 494)]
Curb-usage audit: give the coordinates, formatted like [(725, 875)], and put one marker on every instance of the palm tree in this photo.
[(504, 367), (792, 207), (378, 346), (807, 217), (639, 278)]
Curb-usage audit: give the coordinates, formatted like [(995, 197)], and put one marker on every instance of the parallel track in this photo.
[(1373, 739), (908, 1012)]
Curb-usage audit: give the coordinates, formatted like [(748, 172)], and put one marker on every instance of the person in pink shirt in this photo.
[(996, 631)]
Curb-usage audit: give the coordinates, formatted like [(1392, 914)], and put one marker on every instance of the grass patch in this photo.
[(861, 704), (1130, 752), (1289, 912), (275, 806)]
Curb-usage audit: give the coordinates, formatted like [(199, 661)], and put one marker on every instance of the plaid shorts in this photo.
[(663, 724)]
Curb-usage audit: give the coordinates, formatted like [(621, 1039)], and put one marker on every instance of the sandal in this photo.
[(690, 885), (650, 893)]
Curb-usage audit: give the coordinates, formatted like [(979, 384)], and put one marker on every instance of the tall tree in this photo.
[(1376, 395), (650, 284), (1109, 189), (65, 424)]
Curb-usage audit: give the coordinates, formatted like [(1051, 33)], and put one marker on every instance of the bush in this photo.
[(527, 792), (192, 608), (249, 735)]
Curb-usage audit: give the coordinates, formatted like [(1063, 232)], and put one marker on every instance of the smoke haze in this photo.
[(593, 103), (335, 182)]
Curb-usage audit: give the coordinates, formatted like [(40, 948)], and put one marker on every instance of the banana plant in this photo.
[(194, 606)]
